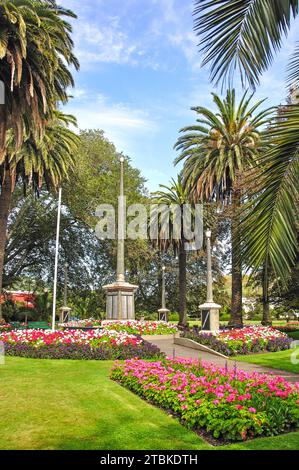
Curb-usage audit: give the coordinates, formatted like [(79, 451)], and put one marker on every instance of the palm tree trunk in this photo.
[(183, 287), (237, 288), (267, 320), (5, 200)]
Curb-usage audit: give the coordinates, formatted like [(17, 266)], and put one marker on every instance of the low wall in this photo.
[(149, 337), (189, 343)]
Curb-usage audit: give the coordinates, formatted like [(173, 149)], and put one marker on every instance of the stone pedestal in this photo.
[(120, 303), (64, 314), (163, 314), (210, 317)]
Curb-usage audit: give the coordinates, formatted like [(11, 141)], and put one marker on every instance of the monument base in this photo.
[(64, 314), (210, 317), (120, 304), (163, 314)]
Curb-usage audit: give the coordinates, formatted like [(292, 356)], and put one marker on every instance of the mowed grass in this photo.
[(68, 405), (294, 335), (279, 360)]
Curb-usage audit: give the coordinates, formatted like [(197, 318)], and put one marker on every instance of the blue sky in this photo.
[(140, 75)]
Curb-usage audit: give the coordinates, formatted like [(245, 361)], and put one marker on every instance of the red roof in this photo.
[(27, 299)]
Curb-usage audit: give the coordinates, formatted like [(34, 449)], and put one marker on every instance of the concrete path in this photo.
[(170, 349)]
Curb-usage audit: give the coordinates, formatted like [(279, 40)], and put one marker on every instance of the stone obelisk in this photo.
[(163, 312), (120, 303), (209, 310)]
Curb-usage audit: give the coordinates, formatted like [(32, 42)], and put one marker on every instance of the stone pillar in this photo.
[(64, 314), (65, 311), (163, 312), (210, 310)]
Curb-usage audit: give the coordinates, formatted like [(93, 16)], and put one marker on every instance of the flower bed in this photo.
[(289, 327), (89, 323), (243, 341), (144, 328), (5, 326), (76, 344), (229, 405)]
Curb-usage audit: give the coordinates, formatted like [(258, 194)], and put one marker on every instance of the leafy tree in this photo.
[(47, 160), (30, 247), (35, 50), (218, 151)]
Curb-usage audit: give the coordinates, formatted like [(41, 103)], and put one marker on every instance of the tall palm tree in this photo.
[(175, 194), (37, 162), (218, 151), (243, 36), (35, 51)]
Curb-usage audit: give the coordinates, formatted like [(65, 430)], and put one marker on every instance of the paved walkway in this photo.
[(170, 349)]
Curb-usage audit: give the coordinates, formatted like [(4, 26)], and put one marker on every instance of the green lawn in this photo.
[(294, 335), (74, 405), (279, 360)]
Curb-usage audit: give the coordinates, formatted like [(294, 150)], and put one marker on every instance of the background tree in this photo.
[(31, 231), (175, 240), (217, 152)]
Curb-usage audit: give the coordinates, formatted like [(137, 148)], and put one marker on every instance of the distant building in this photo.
[(23, 298)]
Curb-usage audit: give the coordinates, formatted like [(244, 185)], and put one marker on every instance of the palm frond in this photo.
[(293, 68), (242, 35), (270, 228)]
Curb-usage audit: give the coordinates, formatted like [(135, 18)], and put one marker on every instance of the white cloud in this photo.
[(187, 43), (106, 44), (121, 122)]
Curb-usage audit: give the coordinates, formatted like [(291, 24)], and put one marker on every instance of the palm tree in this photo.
[(243, 36), (218, 151), (39, 161), (169, 196), (35, 51)]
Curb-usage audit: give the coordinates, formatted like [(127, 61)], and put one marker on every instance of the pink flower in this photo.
[(252, 410)]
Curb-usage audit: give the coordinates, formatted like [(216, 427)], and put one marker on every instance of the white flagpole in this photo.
[(56, 260)]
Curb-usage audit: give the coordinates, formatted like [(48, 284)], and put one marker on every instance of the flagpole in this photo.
[(56, 260)]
